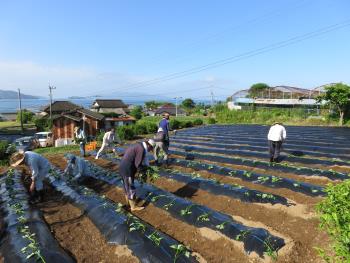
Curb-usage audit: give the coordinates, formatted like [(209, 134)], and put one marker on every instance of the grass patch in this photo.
[(54, 150)]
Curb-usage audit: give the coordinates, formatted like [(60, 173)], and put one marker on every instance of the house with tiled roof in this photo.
[(67, 115), (170, 109)]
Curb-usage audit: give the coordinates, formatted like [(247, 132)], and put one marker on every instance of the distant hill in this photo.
[(9, 94)]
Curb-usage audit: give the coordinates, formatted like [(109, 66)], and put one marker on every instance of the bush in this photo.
[(211, 121), (27, 116), (99, 136), (187, 124), (137, 112), (126, 132), (334, 213), (43, 124), (151, 127), (174, 124), (3, 150), (198, 122), (140, 128)]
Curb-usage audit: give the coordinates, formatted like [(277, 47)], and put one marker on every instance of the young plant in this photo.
[(179, 250), (275, 179), (155, 237), (155, 198), (137, 225), (247, 174), (269, 251), (221, 226), (210, 167), (203, 217), (242, 235), (263, 179), (187, 210), (168, 205)]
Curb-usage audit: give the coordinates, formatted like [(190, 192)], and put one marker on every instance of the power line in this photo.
[(249, 54)]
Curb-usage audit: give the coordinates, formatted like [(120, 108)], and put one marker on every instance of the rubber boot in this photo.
[(133, 206), (271, 159)]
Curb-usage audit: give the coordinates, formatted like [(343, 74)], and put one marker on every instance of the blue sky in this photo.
[(115, 47)]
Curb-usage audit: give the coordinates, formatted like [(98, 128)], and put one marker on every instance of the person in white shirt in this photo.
[(107, 141), (277, 135)]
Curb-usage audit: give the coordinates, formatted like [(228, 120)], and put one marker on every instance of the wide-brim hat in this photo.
[(76, 128), (17, 159), (151, 142)]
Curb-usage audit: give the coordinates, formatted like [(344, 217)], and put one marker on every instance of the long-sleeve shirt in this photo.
[(77, 168), (133, 159), (109, 138), (80, 136), (277, 133), (164, 124), (37, 164)]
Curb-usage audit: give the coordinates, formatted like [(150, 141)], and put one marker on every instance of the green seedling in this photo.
[(155, 237), (263, 179), (242, 235), (168, 205), (247, 174), (155, 198), (204, 217), (314, 191), (119, 208), (232, 173), (275, 179), (296, 184), (210, 167), (266, 196), (269, 251), (221, 226), (180, 250), (137, 225), (247, 193), (187, 210), (32, 249)]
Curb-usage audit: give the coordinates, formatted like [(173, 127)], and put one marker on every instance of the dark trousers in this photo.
[(82, 149), (128, 176), (274, 149)]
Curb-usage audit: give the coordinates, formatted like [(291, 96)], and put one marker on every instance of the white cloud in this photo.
[(34, 79)]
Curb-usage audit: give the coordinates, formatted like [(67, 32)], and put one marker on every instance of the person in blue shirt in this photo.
[(77, 167), (164, 124), (39, 167)]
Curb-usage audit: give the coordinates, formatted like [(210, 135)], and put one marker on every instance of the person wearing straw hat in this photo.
[(276, 136), (79, 137), (134, 160), (39, 167)]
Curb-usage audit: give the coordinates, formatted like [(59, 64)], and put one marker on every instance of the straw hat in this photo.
[(76, 128), (151, 142), (17, 159)]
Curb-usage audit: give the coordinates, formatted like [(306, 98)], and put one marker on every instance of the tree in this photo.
[(152, 104), (337, 95), (256, 89), (27, 116), (136, 112), (188, 104)]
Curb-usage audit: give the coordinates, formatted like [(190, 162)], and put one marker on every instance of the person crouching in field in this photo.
[(39, 167), (161, 145), (107, 142), (277, 135), (134, 160), (76, 168)]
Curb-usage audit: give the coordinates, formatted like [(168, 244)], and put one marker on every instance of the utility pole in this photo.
[(176, 98), (212, 98), (50, 89), (20, 109)]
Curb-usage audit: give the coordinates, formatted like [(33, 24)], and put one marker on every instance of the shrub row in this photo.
[(131, 131)]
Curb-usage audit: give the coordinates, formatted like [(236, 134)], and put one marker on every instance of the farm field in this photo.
[(219, 200)]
